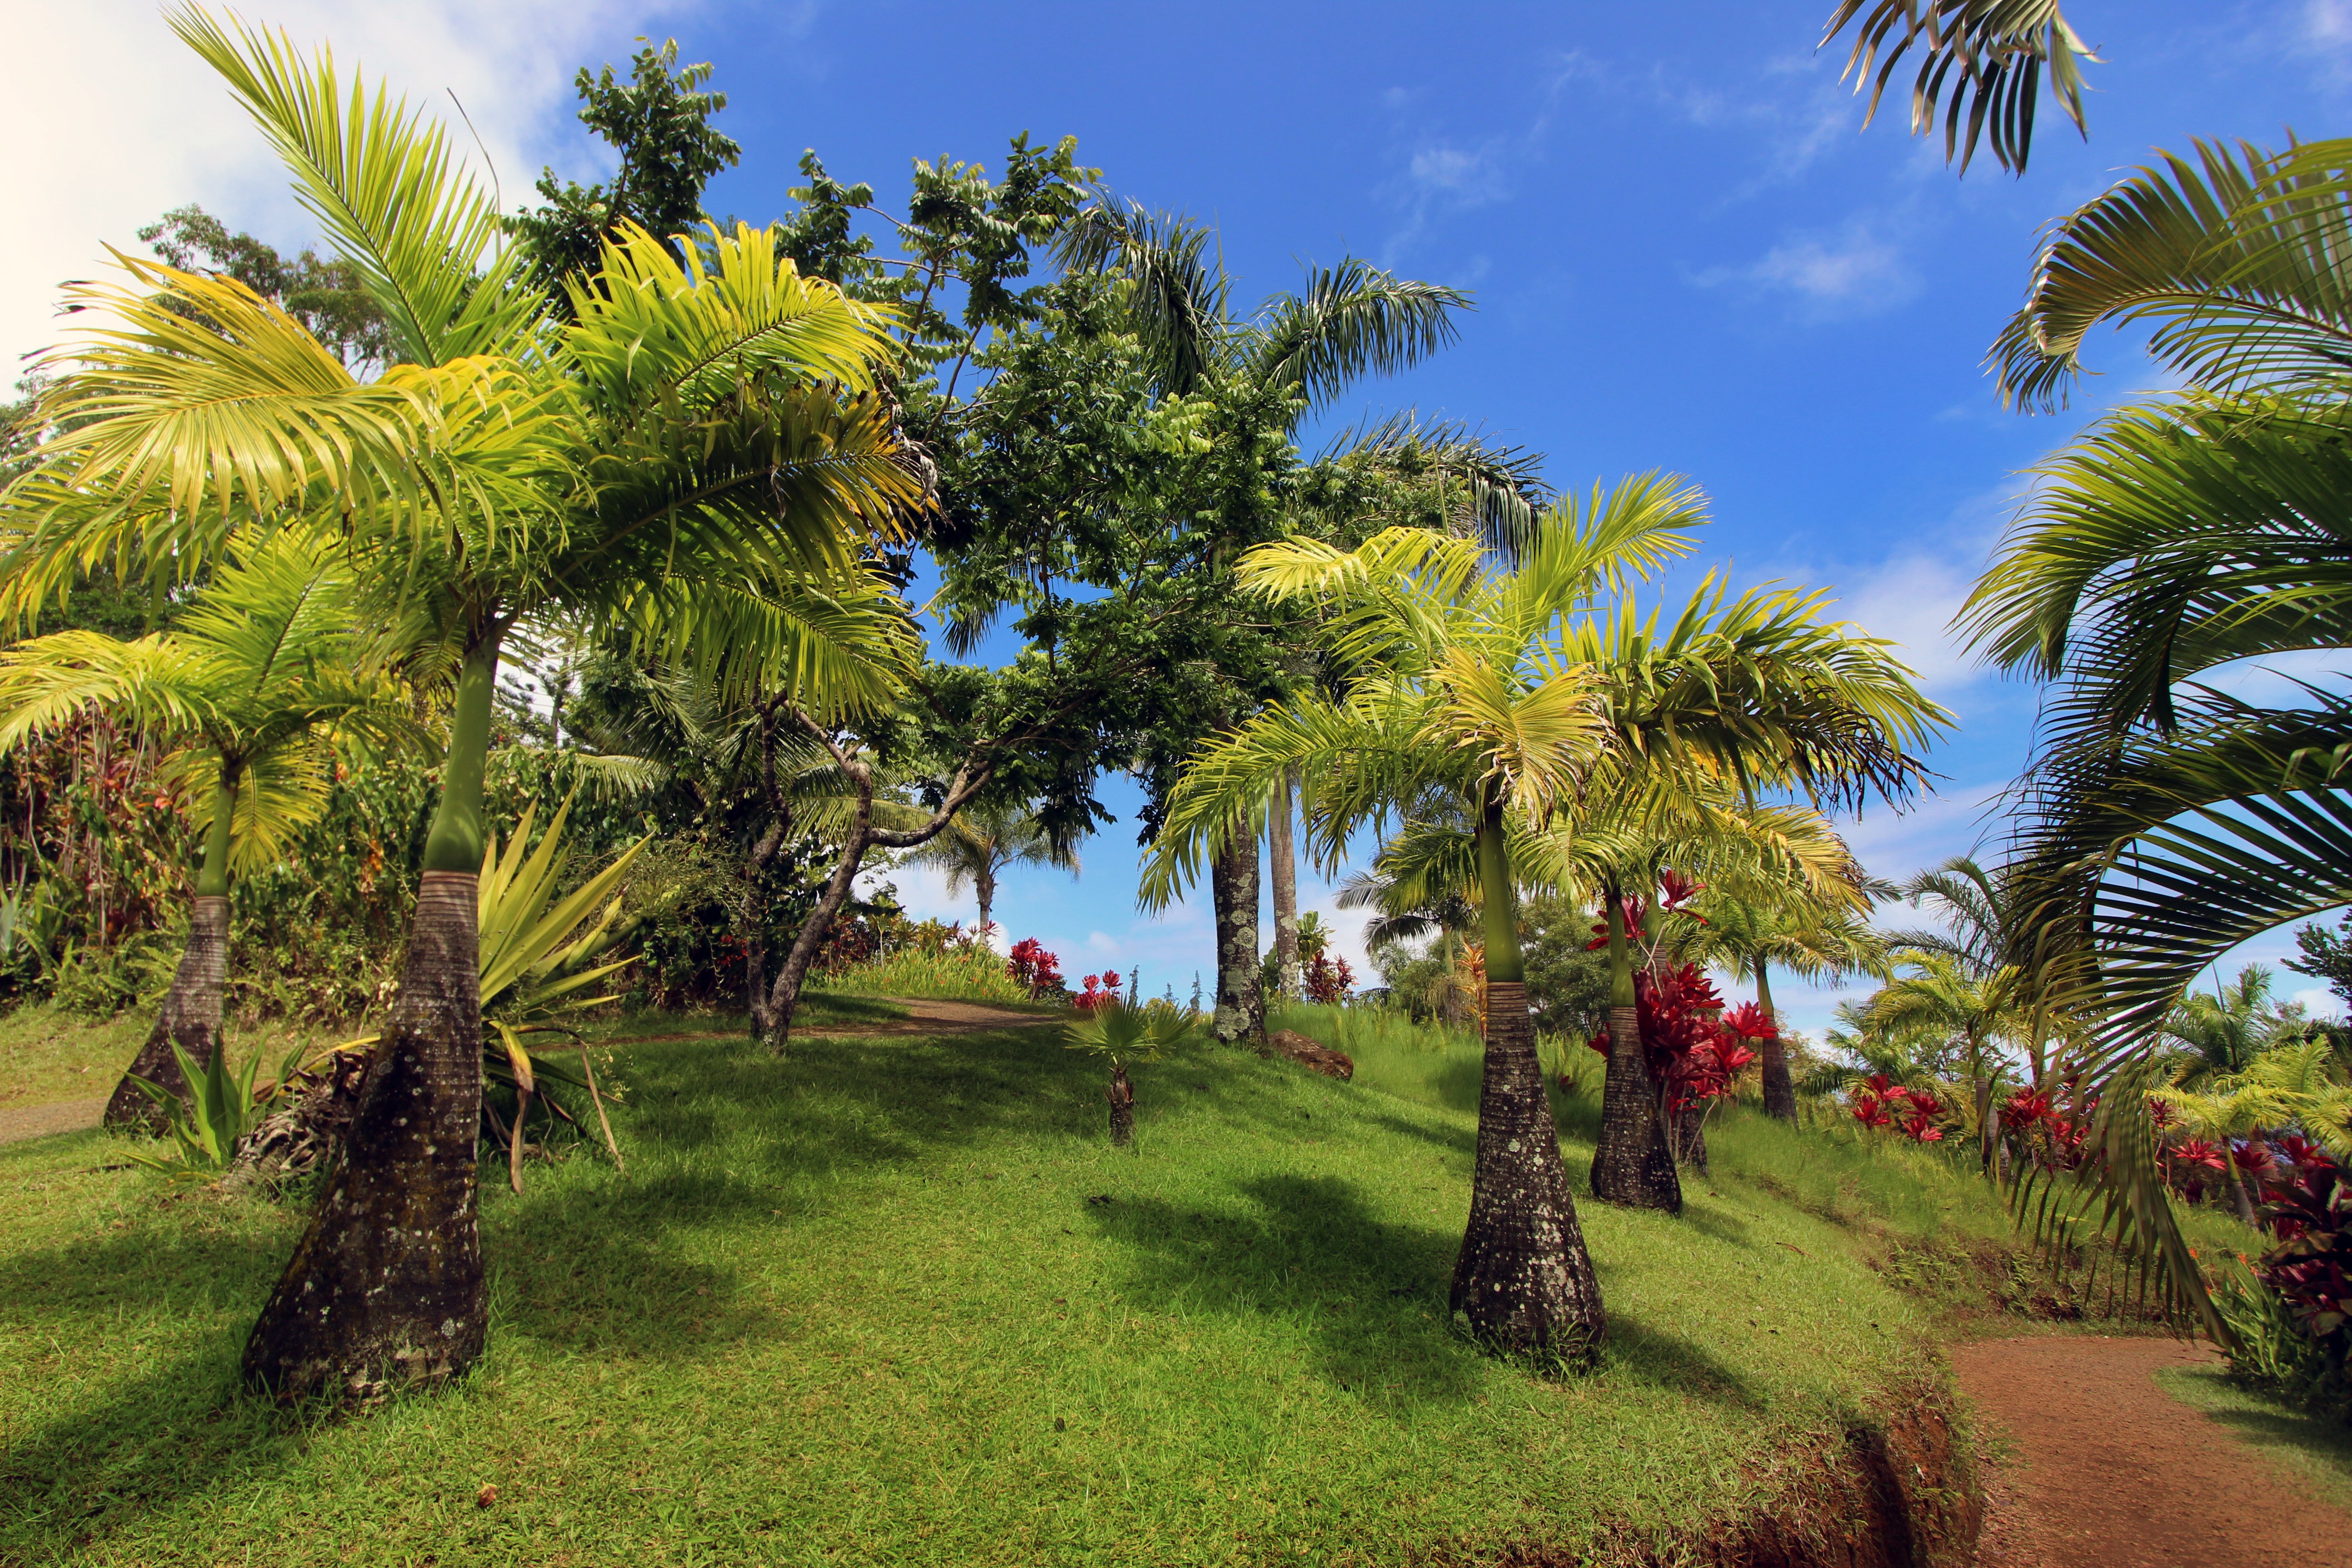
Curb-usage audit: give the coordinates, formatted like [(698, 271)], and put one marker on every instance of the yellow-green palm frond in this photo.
[(280, 791), (49, 681), (1356, 762), (1617, 538), (390, 194), (650, 327), (838, 644), (194, 393), (1534, 746)]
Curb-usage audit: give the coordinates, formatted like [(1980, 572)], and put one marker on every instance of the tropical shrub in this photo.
[(1037, 971), (2291, 1315), (1694, 1049)]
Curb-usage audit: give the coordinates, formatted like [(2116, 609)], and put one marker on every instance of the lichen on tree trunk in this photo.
[(1523, 1281), (386, 1288), (1232, 879), (189, 1017)]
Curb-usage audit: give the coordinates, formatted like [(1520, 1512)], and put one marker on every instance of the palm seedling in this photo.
[(1122, 1033)]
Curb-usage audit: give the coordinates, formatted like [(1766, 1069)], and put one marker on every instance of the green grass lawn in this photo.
[(897, 1300), (2310, 1453)]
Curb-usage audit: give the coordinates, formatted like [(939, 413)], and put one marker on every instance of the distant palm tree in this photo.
[(1748, 937), (985, 841), (2222, 1034)]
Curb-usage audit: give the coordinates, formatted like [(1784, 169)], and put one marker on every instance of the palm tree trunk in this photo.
[(1632, 1165), (1121, 1095), (1233, 883), (985, 881), (1283, 864), (2238, 1189), (191, 1015), (1780, 1088), (775, 1025), (1523, 1280), (386, 1288)]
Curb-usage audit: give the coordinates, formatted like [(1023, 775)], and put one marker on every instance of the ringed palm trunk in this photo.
[(1780, 1088), (1232, 879), (191, 1015), (1523, 1280), (385, 1288), (1282, 864), (1632, 1164)]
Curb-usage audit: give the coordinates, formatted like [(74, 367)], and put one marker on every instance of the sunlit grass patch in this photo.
[(897, 1300), (962, 974)]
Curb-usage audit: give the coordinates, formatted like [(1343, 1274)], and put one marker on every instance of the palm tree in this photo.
[(1408, 913), (1968, 1015), (985, 841), (2167, 821), (242, 687), (1499, 687), (1992, 52), (1353, 319), (2220, 1035), (1748, 937), (694, 459)]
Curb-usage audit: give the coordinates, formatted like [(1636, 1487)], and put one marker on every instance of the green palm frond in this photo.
[(1990, 53), (385, 186), (2237, 258), (1352, 320)]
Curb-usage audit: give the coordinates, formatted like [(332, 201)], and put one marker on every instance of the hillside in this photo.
[(896, 1299)]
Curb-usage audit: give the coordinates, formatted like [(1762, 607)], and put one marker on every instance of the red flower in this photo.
[(2162, 1114), (1751, 1022), (2201, 1152)]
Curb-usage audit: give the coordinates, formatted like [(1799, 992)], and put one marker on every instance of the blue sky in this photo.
[(1685, 253)]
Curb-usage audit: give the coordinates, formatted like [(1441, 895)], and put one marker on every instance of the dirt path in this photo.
[(923, 1017), (2106, 1470), (58, 1116)]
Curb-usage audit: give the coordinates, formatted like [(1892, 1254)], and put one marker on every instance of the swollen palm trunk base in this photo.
[(1632, 1164), (190, 1016), (1523, 1281), (386, 1288)]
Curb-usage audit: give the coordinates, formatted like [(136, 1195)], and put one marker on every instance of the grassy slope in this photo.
[(896, 1301)]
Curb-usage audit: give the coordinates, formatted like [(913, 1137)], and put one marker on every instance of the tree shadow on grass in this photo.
[(1370, 1294), (1664, 1360)]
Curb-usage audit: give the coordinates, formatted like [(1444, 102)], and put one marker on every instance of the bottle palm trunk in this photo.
[(1780, 1088), (385, 1288), (1281, 865), (190, 1016), (1232, 877), (1523, 1280), (1633, 1164)]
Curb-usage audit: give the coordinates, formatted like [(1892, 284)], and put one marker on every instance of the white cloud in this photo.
[(111, 120), (1857, 270)]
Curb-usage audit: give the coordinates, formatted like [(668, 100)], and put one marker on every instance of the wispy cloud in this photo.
[(1856, 270)]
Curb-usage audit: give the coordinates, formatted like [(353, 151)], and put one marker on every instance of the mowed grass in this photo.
[(896, 1301), (2312, 1454)]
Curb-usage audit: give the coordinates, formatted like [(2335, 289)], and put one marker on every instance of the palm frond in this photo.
[(1991, 54)]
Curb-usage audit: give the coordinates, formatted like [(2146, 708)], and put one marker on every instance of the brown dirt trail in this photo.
[(2109, 1471)]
